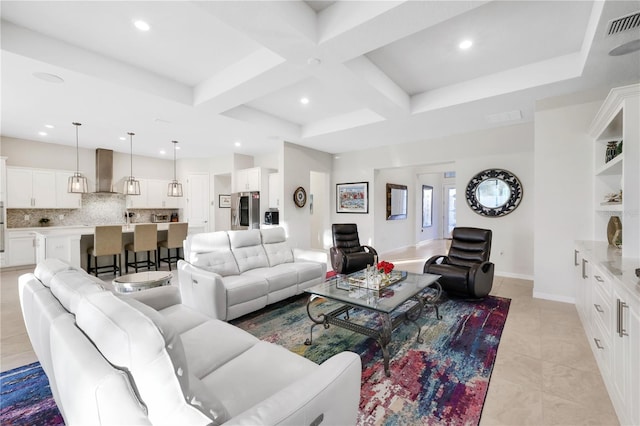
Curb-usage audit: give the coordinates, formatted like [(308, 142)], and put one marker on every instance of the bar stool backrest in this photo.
[(177, 234), (145, 237), (107, 240)]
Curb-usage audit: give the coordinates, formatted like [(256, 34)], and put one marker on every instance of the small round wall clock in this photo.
[(300, 197)]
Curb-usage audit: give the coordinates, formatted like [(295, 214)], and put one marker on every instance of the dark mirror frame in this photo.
[(504, 175), (391, 201)]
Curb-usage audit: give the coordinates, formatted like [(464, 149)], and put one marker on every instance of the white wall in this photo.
[(394, 234), (512, 241), (221, 216), (297, 163), (503, 147), (563, 210)]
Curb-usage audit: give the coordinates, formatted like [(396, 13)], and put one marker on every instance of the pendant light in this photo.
[(175, 188), (131, 185), (77, 183)]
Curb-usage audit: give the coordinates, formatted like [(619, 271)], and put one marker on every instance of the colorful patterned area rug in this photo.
[(25, 398), (443, 380)]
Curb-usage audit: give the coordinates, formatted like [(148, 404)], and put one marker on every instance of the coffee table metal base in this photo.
[(141, 281), (340, 318)]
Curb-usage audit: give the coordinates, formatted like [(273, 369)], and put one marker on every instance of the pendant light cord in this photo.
[(175, 145), (131, 151), (77, 148)]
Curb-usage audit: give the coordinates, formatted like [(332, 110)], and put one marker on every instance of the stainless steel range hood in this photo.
[(104, 171)]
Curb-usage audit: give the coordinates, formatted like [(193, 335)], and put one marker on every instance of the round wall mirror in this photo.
[(494, 192)]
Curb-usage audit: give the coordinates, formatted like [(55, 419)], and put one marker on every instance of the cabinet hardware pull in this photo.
[(598, 344), (623, 332), (584, 269), (575, 257), (598, 278), (598, 308)]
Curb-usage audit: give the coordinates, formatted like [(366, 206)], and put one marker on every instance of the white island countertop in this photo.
[(58, 231)]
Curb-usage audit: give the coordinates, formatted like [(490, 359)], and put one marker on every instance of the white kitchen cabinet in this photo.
[(66, 199), (3, 178), (609, 306), (248, 180), (157, 195), (275, 190), (21, 248), (39, 188), (139, 201)]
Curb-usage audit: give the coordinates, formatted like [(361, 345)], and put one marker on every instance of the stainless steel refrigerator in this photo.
[(245, 210)]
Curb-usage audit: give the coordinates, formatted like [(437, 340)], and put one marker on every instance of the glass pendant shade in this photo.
[(175, 188), (77, 183), (131, 185)]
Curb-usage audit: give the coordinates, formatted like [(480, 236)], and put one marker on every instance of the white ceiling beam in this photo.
[(282, 128), (31, 44), (341, 122)]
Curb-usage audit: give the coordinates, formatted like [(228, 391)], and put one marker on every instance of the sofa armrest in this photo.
[(308, 254), (202, 290), (370, 250), (328, 396), (158, 297)]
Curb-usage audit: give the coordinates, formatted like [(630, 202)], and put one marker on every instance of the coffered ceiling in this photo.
[(213, 74)]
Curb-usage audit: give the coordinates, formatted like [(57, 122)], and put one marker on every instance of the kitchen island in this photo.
[(70, 243)]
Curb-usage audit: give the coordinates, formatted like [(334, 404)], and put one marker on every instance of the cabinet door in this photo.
[(253, 179), (157, 193), (274, 190), (19, 184), (139, 201), (44, 189), (240, 181), (21, 250), (626, 349), (64, 199)]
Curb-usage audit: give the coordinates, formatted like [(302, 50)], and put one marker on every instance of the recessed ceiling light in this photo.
[(163, 152), (465, 44), (42, 133), (237, 143), (49, 126), (49, 78), (122, 138), (177, 148), (314, 61), (304, 101), (141, 25)]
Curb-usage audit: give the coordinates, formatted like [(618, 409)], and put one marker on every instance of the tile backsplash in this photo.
[(97, 209)]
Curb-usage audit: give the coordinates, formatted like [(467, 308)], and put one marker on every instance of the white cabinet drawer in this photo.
[(602, 313), (601, 281)]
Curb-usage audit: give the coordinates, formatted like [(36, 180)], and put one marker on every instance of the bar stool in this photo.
[(107, 240), (145, 238), (176, 235)]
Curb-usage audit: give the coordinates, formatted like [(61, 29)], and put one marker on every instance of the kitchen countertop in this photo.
[(610, 260), (78, 229)]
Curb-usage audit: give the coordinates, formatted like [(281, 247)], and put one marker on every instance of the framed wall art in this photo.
[(352, 197), (224, 201)]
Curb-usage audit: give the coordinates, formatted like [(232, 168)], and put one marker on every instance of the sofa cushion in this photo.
[(129, 339), (245, 380), (308, 271), (48, 268), (213, 344), (278, 277), (183, 318), (211, 251), (247, 249), (241, 288), (72, 285), (276, 246)]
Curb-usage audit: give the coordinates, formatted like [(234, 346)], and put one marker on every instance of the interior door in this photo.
[(197, 210), (449, 209)]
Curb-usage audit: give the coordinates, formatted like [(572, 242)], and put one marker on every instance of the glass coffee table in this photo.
[(385, 303), (141, 281)]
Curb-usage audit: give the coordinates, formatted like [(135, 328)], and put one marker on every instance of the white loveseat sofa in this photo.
[(146, 359), (227, 274)]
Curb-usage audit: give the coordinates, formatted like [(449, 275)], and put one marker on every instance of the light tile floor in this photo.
[(545, 373)]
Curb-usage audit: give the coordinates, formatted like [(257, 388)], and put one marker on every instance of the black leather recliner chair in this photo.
[(466, 271), (347, 255)]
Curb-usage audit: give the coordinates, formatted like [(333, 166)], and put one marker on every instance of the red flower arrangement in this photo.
[(385, 267)]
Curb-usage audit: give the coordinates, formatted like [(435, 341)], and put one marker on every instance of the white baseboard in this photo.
[(512, 275), (554, 297)]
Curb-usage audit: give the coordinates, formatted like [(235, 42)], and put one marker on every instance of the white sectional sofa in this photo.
[(146, 358), (227, 274)]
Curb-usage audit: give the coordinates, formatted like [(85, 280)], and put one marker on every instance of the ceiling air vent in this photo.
[(625, 23)]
